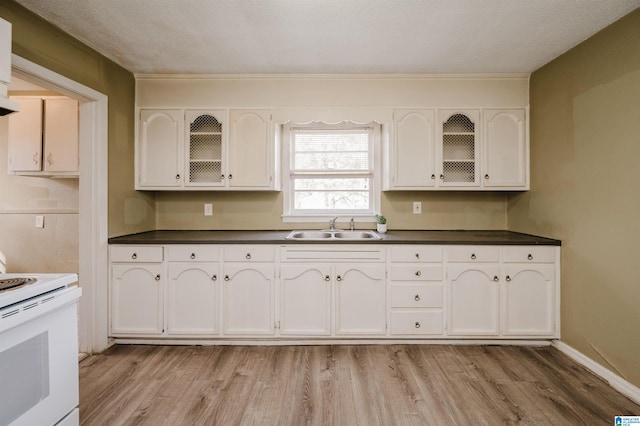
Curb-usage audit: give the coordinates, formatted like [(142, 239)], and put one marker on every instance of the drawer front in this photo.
[(528, 254), (473, 254), (249, 253), (136, 254), (416, 272), (416, 322), (193, 253), (416, 253), (416, 296)]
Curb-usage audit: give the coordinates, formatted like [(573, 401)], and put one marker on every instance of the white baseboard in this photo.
[(616, 382)]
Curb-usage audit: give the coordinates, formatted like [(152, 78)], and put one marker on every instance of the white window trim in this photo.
[(287, 201)]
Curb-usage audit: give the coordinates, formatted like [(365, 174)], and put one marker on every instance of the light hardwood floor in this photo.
[(343, 385)]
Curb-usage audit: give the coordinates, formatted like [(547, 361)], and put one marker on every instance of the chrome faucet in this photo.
[(332, 223), (352, 225)]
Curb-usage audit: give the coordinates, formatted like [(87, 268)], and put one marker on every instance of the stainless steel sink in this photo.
[(332, 235)]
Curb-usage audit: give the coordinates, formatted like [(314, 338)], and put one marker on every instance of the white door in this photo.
[(192, 299), (60, 152), (248, 302), (160, 153), (473, 299), (25, 136), (529, 300), (360, 299), (413, 150), (250, 149), (504, 148), (136, 299), (305, 300)]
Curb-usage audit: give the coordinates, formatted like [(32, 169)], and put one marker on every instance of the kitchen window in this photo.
[(330, 170)]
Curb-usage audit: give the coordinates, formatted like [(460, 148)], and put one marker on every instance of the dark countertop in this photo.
[(459, 237)]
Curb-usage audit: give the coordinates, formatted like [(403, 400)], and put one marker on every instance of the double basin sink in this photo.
[(332, 235)]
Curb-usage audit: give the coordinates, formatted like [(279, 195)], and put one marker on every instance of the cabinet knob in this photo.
[(495, 279), (230, 176), (417, 325), (417, 298), (134, 256), (473, 256), (214, 277), (417, 255), (339, 278), (486, 176), (193, 256), (248, 256), (327, 278), (441, 177), (530, 256), (418, 273), (49, 159), (508, 278), (226, 278), (177, 177), (222, 177), (158, 277), (433, 176)]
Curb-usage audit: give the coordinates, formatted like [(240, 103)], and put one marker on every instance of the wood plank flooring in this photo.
[(343, 385)]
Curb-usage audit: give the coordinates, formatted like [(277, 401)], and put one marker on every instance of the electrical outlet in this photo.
[(39, 221), (208, 209), (417, 207)]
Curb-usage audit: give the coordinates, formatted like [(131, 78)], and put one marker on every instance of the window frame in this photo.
[(290, 214)]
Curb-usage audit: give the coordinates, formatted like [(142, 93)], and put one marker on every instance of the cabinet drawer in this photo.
[(136, 254), (415, 273), (416, 254), (416, 322), (193, 253), (416, 296), (473, 254), (528, 254), (249, 253)]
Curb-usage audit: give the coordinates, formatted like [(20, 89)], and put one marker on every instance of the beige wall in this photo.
[(40, 42), (585, 151)]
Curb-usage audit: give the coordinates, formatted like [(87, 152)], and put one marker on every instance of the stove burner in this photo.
[(13, 283)]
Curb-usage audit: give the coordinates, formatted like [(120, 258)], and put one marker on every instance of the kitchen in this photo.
[(597, 300)]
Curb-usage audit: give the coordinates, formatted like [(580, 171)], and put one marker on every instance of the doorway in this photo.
[(92, 208)]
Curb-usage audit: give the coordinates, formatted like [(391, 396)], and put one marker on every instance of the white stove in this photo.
[(39, 349)]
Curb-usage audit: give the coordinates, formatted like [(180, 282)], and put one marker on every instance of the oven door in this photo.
[(39, 359)]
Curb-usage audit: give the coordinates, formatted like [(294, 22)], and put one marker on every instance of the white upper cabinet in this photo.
[(412, 154), (458, 148), (198, 150), (43, 137), (505, 149)]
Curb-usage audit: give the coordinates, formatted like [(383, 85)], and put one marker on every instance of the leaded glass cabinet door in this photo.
[(205, 148), (459, 148)]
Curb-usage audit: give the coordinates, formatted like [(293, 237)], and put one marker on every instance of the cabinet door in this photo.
[(192, 299), (205, 149), (248, 299), (529, 300), (413, 150), (305, 300), (136, 299), (60, 152), (250, 149), (505, 148), (459, 148), (25, 136), (360, 299), (160, 153), (473, 299)]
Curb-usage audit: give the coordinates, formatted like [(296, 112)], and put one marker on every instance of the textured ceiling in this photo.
[(331, 36)]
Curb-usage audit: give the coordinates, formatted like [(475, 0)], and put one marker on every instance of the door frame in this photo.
[(93, 196)]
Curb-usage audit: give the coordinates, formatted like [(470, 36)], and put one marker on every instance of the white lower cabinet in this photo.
[(192, 299), (360, 299), (248, 299), (305, 300)]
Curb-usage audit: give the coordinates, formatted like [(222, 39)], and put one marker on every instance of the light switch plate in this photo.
[(39, 221), (208, 209), (417, 207)]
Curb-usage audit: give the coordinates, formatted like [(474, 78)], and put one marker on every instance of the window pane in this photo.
[(332, 161), (331, 200), (334, 150), (331, 184)]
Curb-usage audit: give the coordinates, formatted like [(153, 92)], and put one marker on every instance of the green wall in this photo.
[(40, 42), (585, 152)]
